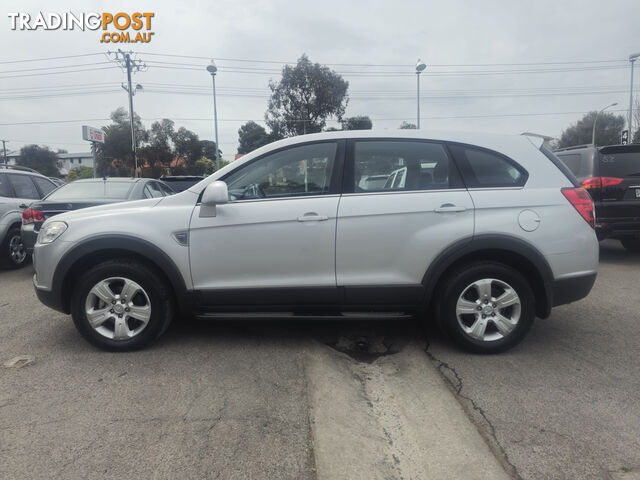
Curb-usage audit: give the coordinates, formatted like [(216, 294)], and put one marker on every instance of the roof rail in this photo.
[(574, 147), (18, 167)]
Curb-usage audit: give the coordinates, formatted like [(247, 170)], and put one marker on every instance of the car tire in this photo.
[(486, 307), (121, 305), (631, 244), (12, 251)]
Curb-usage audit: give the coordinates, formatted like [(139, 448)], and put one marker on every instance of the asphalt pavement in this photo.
[(255, 400)]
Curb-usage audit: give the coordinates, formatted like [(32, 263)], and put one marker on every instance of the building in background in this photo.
[(69, 161)]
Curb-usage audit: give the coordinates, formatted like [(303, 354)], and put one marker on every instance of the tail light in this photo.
[(581, 201), (30, 215), (600, 182)]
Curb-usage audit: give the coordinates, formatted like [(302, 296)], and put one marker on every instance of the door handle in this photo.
[(312, 217), (449, 207)]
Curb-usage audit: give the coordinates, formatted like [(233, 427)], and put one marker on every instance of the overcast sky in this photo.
[(461, 42)]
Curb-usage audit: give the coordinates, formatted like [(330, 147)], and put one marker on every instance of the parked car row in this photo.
[(28, 198), (611, 174)]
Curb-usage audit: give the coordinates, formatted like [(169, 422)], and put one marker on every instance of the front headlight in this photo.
[(51, 231)]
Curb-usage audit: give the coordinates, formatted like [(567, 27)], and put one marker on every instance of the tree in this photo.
[(79, 172), (251, 136), (408, 126), (608, 129), (304, 98), (158, 154), (39, 158), (187, 145), (114, 155), (361, 122)]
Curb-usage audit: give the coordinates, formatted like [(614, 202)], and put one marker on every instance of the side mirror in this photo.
[(216, 193)]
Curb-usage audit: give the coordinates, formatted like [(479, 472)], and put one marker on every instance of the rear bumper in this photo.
[(29, 237), (572, 289), (617, 227)]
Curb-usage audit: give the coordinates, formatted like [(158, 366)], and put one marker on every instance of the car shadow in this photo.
[(612, 251), (363, 340)]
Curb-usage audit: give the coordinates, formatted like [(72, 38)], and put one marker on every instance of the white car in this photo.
[(490, 230)]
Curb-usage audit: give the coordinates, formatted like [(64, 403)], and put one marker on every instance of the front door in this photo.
[(277, 233)]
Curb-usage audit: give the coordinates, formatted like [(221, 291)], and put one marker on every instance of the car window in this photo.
[(166, 190), (45, 186), (296, 171), (93, 189), (571, 160), (23, 186), (620, 164), (390, 165), (486, 169), (5, 188), (152, 190)]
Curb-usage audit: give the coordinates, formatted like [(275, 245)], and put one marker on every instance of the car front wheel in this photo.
[(13, 254), (486, 307), (121, 305)]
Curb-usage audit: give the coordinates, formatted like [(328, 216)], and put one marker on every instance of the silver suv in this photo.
[(18, 188), (482, 232)]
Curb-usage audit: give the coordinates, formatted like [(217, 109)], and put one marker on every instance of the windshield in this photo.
[(620, 164), (97, 190)]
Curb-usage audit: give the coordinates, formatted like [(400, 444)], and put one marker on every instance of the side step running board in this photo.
[(290, 315)]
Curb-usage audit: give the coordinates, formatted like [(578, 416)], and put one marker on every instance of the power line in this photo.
[(407, 65), (207, 119), (53, 68), (58, 73), (50, 58)]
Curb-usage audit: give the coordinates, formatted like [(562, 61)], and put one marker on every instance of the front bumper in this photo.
[(50, 298), (572, 289)]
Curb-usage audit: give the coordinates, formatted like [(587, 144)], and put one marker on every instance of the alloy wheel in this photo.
[(118, 308), (488, 309)]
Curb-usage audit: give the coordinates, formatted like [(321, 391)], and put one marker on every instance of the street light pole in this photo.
[(595, 119), (420, 66), (212, 69), (632, 59), (4, 147)]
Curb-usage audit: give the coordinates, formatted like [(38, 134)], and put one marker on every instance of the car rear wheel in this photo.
[(13, 252), (121, 305), (486, 307), (631, 244)]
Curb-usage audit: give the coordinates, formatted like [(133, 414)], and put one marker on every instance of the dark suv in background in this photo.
[(611, 174)]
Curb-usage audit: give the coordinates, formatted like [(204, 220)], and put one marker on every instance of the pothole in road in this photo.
[(365, 349)]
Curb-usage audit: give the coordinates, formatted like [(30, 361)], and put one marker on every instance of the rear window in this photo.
[(5, 191), (620, 164), (85, 190), (23, 186), (571, 160), (487, 169)]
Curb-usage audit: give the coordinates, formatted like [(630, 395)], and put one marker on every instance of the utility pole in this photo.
[(4, 147), (125, 61), (632, 59)]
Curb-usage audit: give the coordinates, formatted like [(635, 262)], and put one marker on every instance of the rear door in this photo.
[(619, 197), (389, 232)]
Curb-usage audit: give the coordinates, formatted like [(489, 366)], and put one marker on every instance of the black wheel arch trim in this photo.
[(128, 243), (494, 242)]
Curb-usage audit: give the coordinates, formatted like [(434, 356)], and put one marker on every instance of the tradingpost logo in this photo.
[(126, 27)]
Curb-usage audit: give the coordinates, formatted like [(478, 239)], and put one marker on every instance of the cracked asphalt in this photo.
[(231, 399)]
